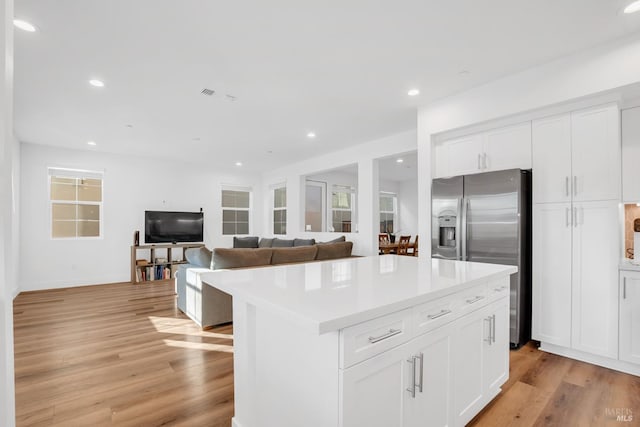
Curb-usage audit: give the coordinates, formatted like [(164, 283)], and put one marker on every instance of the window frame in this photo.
[(78, 174), (275, 209), (394, 197), (351, 190), (234, 208)]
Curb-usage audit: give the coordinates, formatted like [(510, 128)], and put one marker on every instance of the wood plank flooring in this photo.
[(122, 354)]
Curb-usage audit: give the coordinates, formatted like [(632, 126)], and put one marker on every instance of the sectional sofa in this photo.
[(208, 306)]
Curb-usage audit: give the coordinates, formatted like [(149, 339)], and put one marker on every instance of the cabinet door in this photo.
[(596, 251), (432, 405), (630, 154), (630, 317), (440, 160), (551, 159), (464, 155), (551, 296), (469, 345), (374, 392), (595, 145), (508, 147), (496, 360)]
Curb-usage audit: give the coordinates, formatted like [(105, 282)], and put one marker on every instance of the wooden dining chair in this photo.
[(403, 245), (414, 250), (383, 239)]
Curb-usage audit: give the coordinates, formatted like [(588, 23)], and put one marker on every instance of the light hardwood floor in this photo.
[(122, 354)]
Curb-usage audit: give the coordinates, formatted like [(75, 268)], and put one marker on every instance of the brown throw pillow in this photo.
[(297, 254), (240, 257), (334, 250)]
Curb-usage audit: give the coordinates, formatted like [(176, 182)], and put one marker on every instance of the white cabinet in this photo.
[(630, 317), (551, 297), (595, 278), (576, 156), (498, 149), (496, 366), (552, 159), (630, 122)]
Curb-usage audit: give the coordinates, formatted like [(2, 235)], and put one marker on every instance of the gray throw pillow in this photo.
[(336, 240), (199, 257), (245, 242), (282, 243), (304, 242), (265, 243)]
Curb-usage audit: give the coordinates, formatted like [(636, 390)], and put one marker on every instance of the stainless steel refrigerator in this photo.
[(486, 217)]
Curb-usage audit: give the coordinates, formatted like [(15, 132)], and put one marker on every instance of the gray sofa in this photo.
[(206, 305)]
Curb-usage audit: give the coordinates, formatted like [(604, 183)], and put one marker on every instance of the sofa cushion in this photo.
[(282, 243), (245, 242), (334, 250), (336, 240), (288, 255), (198, 257), (265, 242), (240, 257), (304, 242)]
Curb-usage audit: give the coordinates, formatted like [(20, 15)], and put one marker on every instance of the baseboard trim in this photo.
[(606, 362), (235, 423)]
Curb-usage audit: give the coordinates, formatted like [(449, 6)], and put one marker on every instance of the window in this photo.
[(314, 211), (388, 212), (341, 207), (75, 197), (280, 210), (236, 206)]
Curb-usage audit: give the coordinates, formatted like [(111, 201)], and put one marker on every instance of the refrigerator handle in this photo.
[(463, 228)]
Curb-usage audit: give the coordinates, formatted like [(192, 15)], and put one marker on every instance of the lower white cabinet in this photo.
[(630, 316), (440, 378)]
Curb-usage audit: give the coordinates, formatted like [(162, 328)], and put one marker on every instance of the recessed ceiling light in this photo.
[(24, 25), (238, 163), (399, 160), (311, 135), (464, 72), (96, 83), (633, 7), (413, 92), (92, 143)]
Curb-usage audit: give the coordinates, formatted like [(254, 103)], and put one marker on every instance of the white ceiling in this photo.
[(390, 170), (338, 68)]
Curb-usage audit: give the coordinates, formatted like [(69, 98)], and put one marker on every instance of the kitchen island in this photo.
[(373, 341)]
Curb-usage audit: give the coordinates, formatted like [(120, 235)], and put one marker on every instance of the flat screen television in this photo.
[(173, 227)]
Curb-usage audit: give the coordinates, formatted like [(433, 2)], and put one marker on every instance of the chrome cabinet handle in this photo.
[(421, 357), (484, 160), (474, 300), (437, 315), (624, 288), (566, 185), (501, 288), (575, 185), (575, 217), (488, 339), (568, 217), (389, 334), (493, 329), (479, 161), (412, 389)]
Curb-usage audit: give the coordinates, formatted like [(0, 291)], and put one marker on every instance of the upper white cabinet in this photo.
[(631, 155), (630, 316), (498, 149), (576, 156)]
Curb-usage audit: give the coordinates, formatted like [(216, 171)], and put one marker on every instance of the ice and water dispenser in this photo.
[(447, 230)]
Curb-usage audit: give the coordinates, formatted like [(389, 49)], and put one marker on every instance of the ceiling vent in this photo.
[(207, 92)]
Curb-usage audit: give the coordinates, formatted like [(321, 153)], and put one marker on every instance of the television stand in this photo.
[(156, 262)]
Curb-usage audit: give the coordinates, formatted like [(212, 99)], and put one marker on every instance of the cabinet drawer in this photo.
[(432, 314), (365, 340), (499, 288), (472, 299)]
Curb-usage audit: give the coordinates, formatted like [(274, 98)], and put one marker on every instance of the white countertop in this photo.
[(628, 265), (330, 295)]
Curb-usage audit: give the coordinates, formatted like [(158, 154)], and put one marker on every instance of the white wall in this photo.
[(365, 156), (590, 73), (131, 186), (408, 207), (8, 235)]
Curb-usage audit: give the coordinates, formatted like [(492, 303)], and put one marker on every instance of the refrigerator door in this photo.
[(446, 202), (497, 232)]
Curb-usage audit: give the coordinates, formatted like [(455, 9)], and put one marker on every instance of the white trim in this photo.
[(606, 362)]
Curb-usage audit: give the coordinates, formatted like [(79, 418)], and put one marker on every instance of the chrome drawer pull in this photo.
[(421, 357), (476, 299), (501, 288), (435, 316), (389, 334)]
